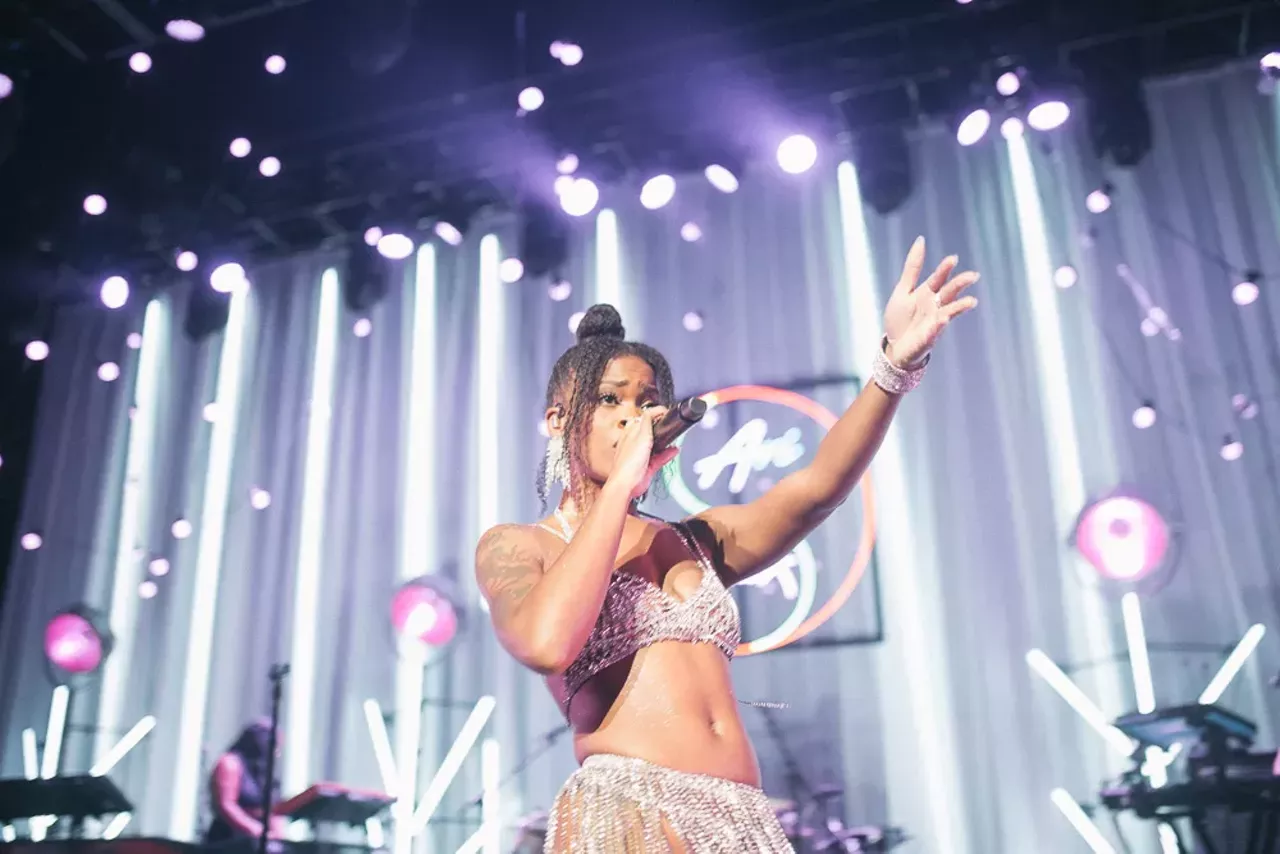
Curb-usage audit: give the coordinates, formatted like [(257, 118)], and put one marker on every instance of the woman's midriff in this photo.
[(672, 705)]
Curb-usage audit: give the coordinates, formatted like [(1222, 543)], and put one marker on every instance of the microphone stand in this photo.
[(545, 743), (276, 675), (796, 782)]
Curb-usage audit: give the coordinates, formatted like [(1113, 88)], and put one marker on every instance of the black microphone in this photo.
[(677, 421)]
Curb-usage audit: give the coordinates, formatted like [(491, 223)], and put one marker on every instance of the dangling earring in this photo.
[(557, 462)]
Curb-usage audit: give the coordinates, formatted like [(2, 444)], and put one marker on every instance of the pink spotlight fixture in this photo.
[(76, 641), (426, 609), (1124, 538)]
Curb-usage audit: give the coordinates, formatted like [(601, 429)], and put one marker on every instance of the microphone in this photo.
[(677, 421)]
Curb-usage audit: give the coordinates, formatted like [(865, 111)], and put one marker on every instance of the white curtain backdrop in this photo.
[(942, 728)]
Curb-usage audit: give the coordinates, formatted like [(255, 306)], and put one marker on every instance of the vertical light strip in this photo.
[(608, 269), (57, 727), (1139, 662), (30, 757), (489, 359), (1232, 665), (1062, 446), (204, 598), (488, 839), (306, 577), (133, 509), (417, 553), (1081, 822), (490, 800), (926, 691)]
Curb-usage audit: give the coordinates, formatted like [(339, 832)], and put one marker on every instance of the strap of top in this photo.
[(552, 530)]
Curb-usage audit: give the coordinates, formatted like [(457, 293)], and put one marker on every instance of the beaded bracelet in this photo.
[(890, 377)]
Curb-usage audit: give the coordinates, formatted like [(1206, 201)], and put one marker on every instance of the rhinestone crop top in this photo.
[(637, 613)]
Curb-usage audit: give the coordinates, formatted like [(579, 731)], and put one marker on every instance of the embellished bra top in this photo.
[(638, 613)]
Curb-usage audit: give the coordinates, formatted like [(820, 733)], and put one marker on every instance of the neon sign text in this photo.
[(749, 450)]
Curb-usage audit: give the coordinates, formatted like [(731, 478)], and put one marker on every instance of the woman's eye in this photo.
[(649, 403), (610, 399)]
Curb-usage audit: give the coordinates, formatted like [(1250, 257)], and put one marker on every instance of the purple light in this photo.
[(560, 290), (580, 197), (1098, 202), (511, 270), (797, 153), (225, 277), (37, 351), (1123, 538), (362, 328), (690, 232), (570, 54), (275, 64), (114, 292), (448, 232), (657, 192), (240, 147), (73, 644), (1144, 416), (1270, 61), (372, 235), (269, 167), (692, 321), (395, 246), (31, 541), (108, 372), (1049, 115), (186, 261), (568, 164), (140, 63), (1065, 276), (1245, 293), (424, 613), (530, 98), (721, 178), (184, 31), (974, 127), (1008, 83), (6, 86), (95, 205)]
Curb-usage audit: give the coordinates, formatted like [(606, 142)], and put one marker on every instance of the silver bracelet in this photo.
[(890, 377)]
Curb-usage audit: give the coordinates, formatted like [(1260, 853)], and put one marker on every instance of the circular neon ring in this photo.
[(801, 622)]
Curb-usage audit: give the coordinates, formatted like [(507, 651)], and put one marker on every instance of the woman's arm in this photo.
[(226, 787), (544, 616), (750, 537)]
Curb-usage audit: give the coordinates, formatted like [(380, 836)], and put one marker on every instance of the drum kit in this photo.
[(812, 828)]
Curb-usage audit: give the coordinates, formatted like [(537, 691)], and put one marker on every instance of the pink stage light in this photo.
[(1124, 538), (74, 644), (424, 609)]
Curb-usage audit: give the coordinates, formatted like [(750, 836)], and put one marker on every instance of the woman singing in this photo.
[(628, 617)]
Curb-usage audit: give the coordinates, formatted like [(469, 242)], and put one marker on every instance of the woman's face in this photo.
[(626, 389)]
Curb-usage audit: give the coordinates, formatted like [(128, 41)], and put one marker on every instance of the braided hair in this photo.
[(576, 378)]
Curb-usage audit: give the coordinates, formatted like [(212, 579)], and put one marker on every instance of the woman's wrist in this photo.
[(900, 363), (890, 376)]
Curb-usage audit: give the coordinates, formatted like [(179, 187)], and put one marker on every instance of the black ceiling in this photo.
[(391, 108)]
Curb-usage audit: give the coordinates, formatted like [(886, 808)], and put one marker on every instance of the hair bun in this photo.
[(601, 321)]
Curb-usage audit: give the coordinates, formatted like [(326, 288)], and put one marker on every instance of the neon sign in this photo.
[(748, 451)]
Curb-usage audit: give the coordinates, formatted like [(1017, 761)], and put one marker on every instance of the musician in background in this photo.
[(238, 789)]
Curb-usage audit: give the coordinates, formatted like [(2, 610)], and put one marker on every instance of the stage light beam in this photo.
[(1236, 660), (452, 762), (1080, 820), (1077, 700), (1139, 662)]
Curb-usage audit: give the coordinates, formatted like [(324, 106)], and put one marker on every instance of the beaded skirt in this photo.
[(621, 805)]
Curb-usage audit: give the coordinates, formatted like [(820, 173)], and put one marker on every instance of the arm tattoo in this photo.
[(505, 568)]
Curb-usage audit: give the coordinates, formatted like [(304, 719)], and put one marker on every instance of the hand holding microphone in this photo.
[(646, 443)]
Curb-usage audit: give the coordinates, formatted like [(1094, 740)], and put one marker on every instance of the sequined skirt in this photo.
[(620, 805)]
